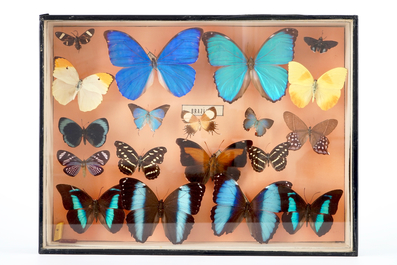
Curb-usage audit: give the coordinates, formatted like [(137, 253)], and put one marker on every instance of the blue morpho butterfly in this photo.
[(154, 118), (172, 64), (95, 133), (176, 211), (318, 214), (237, 70), (82, 209), (259, 125), (232, 206)]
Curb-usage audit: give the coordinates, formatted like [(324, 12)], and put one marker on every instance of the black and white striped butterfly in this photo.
[(77, 40), (130, 160), (316, 135), (277, 157), (73, 164)]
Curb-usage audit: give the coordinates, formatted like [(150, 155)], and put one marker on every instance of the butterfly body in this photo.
[(153, 118), (82, 209), (237, 71), (320, 44), (194, 124), (200, 167), (260, 126), (73, 164), (77, 40), (277, 157), (176, 211)]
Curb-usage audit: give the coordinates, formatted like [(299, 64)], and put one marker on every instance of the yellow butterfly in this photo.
[(326, 90), (68, 84)]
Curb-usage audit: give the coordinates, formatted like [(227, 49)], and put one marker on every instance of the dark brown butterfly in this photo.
[(194, 124), (317, 135), (277, 157), (320, 45), (69, 40), (200, 166)]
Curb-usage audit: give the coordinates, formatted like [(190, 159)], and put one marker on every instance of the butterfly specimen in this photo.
[(154, 118), (316, 135), (237, 70), (95, 133), (259, 125), (326, 90), (75, 39), (68, 85), (176, 211), (73, 164), (277, 157), (130, 160), (172, 64), (318, 214), (200, 167), (320, 45), (232, 206), (194, 124), (82, 209)]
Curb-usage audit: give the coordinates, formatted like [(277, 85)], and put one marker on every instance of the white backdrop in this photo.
[(20, 123)]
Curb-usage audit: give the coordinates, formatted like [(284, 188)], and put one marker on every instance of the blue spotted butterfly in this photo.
[(82, 209), (154, 118), (259, 125), (318, 214), (176, 211), (237, 70), (232, 206), (172, 64)]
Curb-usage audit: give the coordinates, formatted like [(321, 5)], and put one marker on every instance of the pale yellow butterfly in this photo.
[(326, 90), (68, 85)]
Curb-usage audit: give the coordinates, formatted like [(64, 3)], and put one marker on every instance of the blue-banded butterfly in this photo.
[(316, 135), (82, 209), (277, 157), (318, 214), (176, 211), (194, 124), (77, 40), (237, 70), (172, 64), (153, 118), (232, 206), (73, 164), (95, 133), (68, 85), (320, 45), (259, 125), (130, 160), (200, 166)]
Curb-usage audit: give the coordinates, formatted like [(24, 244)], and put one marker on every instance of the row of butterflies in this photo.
[(177, 76), (177, 210)]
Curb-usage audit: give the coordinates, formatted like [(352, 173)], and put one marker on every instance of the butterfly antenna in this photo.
[(209, 151), (77, 33), (311, 200), (100, 191)]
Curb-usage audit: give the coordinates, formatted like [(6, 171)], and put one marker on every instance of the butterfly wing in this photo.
[(156, 117), (126, 52), (71, 131), (207, 120), (86, 36), (230, 202), (318, 134), (233, 78), (329, 87), (179, 208), (143, 204), (322, 210), (96, 132), (71, 162), (141, 116), (269, 78), (79, 205), (91, 90), (295, 215), (300, 132), (195, 159), (150, 162), (66, 39), (64, 87), (95, 162), (260, 125), (129, 159), (192, 123), (110, 209), (301, 84), (175, 73)]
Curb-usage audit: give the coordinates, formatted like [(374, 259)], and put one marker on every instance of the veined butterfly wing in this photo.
[(259, 125), (300, 132), (69, 40), (73, 164), (320, 45), (194, 124), (329, 87), (277, 157), (95, 162), (318, 134), (82, 209), (301, 84), (153, 118), (68, 85)]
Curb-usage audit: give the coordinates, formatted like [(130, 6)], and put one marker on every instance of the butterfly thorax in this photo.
[(247, 209), (95, 209), (307, 213), (160, 208), (314, 89), (153, 58), (213, 168), (251, 63)]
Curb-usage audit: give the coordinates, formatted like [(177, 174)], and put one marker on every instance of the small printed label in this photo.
[(199, 110)]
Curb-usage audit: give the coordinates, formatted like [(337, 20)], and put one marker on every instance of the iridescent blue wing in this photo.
[(110, 209), (175, 73), (141, 116), (269, 78), (260, 125), (233, 78), (295, 215), (126, 52), (156, 117)]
